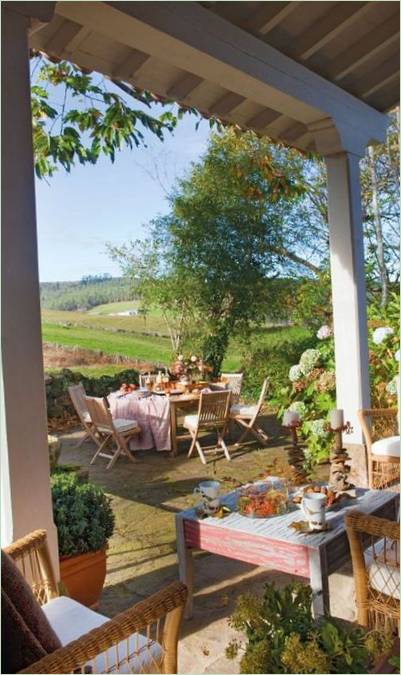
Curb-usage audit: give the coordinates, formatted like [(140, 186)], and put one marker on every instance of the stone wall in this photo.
[(59, 404)]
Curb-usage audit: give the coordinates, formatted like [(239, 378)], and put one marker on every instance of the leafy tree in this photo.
[(90, 121), (380, 207), (234, 225)]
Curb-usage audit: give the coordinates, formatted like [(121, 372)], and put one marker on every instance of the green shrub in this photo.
[(283, 637), (273, 361), (82, 514), (57, 397)]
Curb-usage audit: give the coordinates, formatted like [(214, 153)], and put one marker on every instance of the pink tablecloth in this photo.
[(152, 415)]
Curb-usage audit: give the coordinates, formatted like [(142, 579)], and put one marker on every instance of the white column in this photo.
[(25, 473), (348, 287)]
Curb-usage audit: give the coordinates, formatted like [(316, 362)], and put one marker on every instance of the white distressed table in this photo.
[(270, 542)]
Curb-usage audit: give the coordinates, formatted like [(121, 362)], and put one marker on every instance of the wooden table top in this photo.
[(277, 527)]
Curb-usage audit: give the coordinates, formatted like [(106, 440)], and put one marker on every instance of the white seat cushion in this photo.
[(190, 421), (387, 447), (70, 621), (86, 417), (239, 409), (385, 578), (121, 425)]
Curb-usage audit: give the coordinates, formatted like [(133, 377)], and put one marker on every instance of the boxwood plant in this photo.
[(82, 514)]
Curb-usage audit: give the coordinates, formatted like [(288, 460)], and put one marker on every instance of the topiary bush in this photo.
[(82, 514)]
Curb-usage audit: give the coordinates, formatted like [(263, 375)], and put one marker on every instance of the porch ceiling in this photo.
[(279, 68)]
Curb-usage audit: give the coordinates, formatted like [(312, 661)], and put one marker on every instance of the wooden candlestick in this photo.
[(296, 457), (339, 460)]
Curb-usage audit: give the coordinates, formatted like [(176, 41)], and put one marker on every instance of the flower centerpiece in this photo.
[(189, 369)]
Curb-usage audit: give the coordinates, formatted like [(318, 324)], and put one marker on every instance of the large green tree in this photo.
[(238, 220)]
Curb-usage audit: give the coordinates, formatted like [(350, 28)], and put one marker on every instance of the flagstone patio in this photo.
[(142, 554)]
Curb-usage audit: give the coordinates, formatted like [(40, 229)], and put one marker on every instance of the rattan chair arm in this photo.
[(379, 527), (76, 654), (31, 541)]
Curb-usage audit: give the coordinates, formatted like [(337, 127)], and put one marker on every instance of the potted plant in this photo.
[(84, 521), (283, 637)]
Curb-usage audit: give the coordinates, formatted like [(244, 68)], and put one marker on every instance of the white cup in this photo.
[(313, 506), (210, 489)]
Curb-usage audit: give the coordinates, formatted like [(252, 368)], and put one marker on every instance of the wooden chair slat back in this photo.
[(234, 384), (262, 395), (99, 412), (77, 394), (213, 407)]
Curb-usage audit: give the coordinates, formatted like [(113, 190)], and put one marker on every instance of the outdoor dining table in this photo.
[(272, 543), (156, 415)]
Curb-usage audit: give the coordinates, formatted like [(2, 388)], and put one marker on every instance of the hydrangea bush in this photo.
[(311, 387)]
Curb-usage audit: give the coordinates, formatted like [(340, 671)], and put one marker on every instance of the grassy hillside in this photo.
[(152, 323), (135, 346), (84, 294)]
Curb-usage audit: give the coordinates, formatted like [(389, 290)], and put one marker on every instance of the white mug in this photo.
[(209, 489), (313, 506)]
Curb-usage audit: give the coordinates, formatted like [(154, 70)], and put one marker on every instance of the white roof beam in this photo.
[(131, 64), (262, 119), (379, 85), (329, 26), (226, 103), (190, 37), (184, 86), (366, 48), (375, 78), (269, 16), (62, 37)]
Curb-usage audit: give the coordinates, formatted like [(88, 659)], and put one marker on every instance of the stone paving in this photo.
[(142, 554)]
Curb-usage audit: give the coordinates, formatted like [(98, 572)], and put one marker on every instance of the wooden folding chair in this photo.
[(212, 415), (119, 430), (232, 382), (77, 394), (246, 415)]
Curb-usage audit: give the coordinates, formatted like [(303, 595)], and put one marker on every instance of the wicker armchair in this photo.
[(379, 428), (377, 571), (143, 639)]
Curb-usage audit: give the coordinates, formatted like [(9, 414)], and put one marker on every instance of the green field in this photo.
[(126, 336), (133, 345), (153, 323)]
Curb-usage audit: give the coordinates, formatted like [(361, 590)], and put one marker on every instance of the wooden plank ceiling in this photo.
[(355, 45)]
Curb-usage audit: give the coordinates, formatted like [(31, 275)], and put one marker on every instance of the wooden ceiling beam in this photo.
[(381, 84), (365, 49), (293, 132), (269, 16), (226, 103), (130, 65), (374, 78), (262, 119), (329, 26), (184, 86), (62, 37)]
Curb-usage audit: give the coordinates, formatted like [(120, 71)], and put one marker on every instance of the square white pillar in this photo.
[(348, 288), (26, 497)]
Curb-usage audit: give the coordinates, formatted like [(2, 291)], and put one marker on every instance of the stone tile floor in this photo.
[(142, 555)]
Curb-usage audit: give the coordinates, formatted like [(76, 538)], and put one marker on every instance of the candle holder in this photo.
[(339, 459), (296, 457)]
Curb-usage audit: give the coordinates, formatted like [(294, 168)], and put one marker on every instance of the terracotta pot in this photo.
[(83, 576)]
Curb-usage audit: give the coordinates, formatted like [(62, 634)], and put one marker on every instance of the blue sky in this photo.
[(78, 213)]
